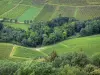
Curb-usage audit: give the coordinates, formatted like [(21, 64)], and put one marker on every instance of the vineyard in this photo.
[(44, 10), (93, 1), (46, 13), (69, 2), (4, 6), (93, 11), (32, 11), (26, 53), (65, 11), (5, 50), (15, 13)]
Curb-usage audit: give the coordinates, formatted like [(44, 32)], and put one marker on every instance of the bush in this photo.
[(8, 67), (68, 70), (73, 59), (89, 68), (96, 59), (95, 72)]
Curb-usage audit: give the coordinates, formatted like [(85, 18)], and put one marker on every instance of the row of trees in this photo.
[(76, 63), (51, 32), (10, 20), (16, 21)]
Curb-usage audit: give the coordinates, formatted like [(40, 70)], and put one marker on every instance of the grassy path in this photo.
[(11, 54), (64, 45), (12, 8), (40, 50), (75, 14), (71, 5)]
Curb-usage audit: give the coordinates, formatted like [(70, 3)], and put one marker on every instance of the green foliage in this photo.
[(1, 26), (51, 57), (8, 67), (92, 27), (51, 32), (31, 67), (68, 70), (95, 72), (73, 59), (90, 68), (36, 69), (96, 59)]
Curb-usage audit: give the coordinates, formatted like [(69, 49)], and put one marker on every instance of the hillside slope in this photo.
[(89, 45), (44, 10)]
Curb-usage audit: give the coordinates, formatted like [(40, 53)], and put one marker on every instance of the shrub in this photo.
[(96, 59)]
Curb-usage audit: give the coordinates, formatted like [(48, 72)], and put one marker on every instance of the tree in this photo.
[(16, 20), (25, 22), (45, 40), (53, 55), (44, 69), (31, 21), (73, 59), (79, 25), (52, 38), (1, 26), (8, 67), (68, 70), (83, 32)]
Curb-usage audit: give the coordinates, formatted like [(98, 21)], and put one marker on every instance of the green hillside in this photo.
[(89, 45), (8, 51)]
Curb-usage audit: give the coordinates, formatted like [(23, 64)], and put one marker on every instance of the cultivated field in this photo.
[(69, 2), (44, 10), (27, 53), (16, 12), (92, 11), (46, 13), (15, 25), (9, 51), (93, 1), (32, 13), (89, 45), (5, 50)]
